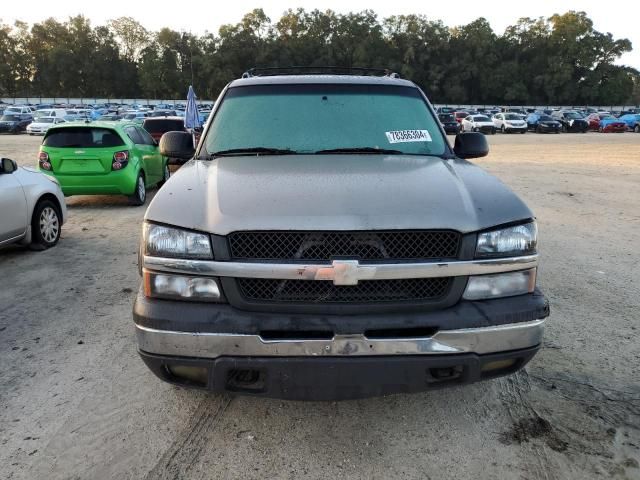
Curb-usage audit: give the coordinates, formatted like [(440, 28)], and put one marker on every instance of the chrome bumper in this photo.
[(469, 340)]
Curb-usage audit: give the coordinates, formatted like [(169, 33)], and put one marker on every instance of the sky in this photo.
[(200, 16)]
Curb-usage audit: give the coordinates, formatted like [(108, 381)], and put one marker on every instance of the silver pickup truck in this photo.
[(326, 242)]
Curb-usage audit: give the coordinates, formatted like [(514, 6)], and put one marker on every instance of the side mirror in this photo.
[(471, 145), (8, 166), (177, 145)]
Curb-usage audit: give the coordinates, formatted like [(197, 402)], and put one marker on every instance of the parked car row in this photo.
[(15, 119), (555, 121)]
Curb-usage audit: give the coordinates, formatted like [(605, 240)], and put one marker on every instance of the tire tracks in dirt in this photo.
[(185, 450), (527, 425)]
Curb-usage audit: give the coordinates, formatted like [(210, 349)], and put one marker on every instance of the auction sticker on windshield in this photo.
[(403, 136)]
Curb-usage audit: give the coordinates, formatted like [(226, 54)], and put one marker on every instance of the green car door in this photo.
[(147, 150)]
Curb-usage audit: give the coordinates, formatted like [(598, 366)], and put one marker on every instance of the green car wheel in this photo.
[(140, 193)]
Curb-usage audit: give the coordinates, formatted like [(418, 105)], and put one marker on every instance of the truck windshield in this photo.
[(310, 118)]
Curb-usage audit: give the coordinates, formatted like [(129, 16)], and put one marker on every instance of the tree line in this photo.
[(542, 61)]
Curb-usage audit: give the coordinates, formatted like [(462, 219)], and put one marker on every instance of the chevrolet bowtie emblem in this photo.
[(341, 272)]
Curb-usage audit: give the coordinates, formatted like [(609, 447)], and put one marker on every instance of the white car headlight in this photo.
[(162, 241), (483, 287), (516, 240)]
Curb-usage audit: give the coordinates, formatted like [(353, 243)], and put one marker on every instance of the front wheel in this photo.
[(538, 129), (45, 225), (636, 129), (140, 193), (166, 173)]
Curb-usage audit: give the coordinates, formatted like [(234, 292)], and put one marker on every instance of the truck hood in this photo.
[(334, 192)]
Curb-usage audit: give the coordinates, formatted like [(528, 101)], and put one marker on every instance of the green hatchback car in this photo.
[(98, 158)]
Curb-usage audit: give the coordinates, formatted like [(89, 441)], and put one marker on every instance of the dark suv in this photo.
[(571, 121), (15, 123), (158, 126), (449, 123), (326, 242)]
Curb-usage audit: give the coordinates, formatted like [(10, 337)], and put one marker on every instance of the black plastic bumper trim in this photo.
[(330, 378)]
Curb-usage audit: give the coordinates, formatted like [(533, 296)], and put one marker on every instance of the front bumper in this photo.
[(9, 128), (615, 128), (306, 356), (337, 378), (577, 127), (548, 128)]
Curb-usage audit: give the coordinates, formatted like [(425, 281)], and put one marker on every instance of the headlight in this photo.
[(518, 240), (482, 287), (161, 241), (180, 287)]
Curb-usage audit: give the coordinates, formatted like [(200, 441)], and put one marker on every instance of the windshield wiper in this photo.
[(252, 150), (360, 150)]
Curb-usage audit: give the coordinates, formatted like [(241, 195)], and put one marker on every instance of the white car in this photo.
[(509, 122), (477, 123), (13, 110), (33, 208), (134, 115), (50, 112), (40, 125)]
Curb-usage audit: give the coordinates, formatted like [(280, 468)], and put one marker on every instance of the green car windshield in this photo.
[(310, 118)]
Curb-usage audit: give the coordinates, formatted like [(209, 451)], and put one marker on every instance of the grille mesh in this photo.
[(311, 291), (323, 246)]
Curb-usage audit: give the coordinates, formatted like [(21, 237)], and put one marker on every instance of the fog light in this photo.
[(498, 365), (158, 285), (193, 374), (482, 287)]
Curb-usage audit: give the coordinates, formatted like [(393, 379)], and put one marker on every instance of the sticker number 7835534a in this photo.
[(403, 136)]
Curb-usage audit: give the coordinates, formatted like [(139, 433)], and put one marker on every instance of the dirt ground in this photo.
[(77, 403)]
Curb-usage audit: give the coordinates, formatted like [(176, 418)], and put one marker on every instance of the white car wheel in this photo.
[(49, 224)]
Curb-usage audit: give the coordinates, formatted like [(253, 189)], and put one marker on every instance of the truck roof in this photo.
[(321, 79)]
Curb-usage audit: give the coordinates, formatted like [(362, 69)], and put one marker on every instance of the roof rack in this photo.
[(275, 71)]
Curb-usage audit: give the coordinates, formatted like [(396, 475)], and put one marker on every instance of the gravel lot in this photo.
[(76, 402)]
